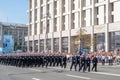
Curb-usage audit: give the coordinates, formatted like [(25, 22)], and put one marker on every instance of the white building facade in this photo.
[(53, 24)]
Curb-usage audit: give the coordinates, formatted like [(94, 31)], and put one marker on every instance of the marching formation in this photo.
[(52, 60), (84, 63), (34, 60)]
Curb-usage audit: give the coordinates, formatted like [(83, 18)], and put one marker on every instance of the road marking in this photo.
[(74, 76), (59, 68), (35, 79), (109, 74), (36, 70)]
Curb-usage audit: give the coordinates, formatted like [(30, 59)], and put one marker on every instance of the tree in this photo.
[(85, 38), (16, 46)]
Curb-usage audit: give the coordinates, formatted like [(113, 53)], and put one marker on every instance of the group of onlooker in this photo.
[(107, 57)]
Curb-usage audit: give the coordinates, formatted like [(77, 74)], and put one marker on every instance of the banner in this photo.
[(8, 44)]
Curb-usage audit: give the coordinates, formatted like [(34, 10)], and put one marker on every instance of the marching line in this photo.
[(74, 76), (109, 74), (35, 79)]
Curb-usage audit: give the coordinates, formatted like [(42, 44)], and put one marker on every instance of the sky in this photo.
[(14, 11)]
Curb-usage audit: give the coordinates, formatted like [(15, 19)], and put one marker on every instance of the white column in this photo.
[(39, 44), (69, 43), (69, 26), (28, 46), (60, 44), (52, 44), (52, 27), (33, 45), (39, 23), (107, 27), (45, 27), (107, 38), (107, 11), (60, 38), (92, 38), (92, 28), (81, 15)]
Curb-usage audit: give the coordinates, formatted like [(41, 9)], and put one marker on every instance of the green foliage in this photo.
[(16, 47)]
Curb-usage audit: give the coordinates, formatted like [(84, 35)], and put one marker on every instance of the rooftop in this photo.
[(12, 24)]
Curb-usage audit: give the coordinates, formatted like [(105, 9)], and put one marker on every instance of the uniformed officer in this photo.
[(94, 61), (73, 62), (83, 63), (77, 61), (64, 61), (88, 61)]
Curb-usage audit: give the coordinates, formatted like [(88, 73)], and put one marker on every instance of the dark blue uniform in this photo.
[(74, 59), (95, 61)]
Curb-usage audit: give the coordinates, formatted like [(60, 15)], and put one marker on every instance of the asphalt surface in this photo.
[(56, 73)]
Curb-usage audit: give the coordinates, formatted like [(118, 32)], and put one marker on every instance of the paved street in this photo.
[(14, 73)]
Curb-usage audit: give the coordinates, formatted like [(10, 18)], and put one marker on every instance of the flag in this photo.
[(80, 48)]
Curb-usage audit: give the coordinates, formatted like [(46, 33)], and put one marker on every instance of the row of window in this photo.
[(114, 42), (48, 43), (65, 2), (113, 7)]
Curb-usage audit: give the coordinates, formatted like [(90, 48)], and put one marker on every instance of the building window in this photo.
[(35, 14), (30, 4), (97, 1), (73, 19), (41, 45), (112, 16), (114, 40), (48, 44), (48, 9), (41, 12), (55, 8), (41, 28), (30, 30), (36, 45), (97, 21), (35, 3), (63, 6), (64, 44), (97, 10), (48, 26), (41, 1), (63, 23), (30, 16), (48, 0), (84, 18), (112, 6), (73, 7), (56, 44), (35, 29), (48, 6), (100, 41), (55, 25)]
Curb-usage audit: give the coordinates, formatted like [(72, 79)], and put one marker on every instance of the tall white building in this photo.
[(53, 24)]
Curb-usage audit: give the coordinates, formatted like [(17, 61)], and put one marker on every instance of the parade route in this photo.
[(56, 73)]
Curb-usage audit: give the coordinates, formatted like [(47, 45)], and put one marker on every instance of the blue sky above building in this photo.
[(13, 11)]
